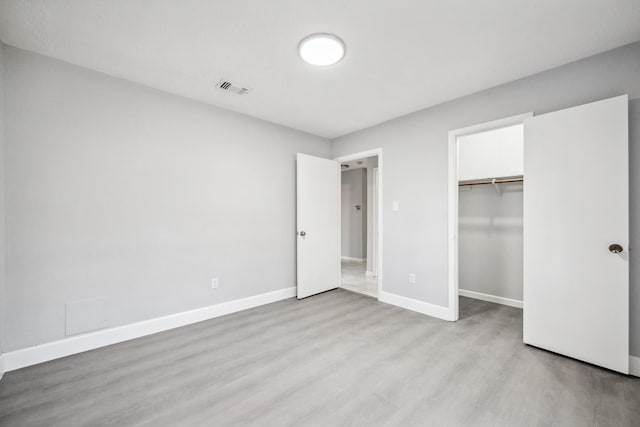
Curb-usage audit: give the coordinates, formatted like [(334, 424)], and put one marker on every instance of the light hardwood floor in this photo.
[(338, 358)]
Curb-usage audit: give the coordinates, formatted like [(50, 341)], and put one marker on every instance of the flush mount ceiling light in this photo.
[(321, 49)]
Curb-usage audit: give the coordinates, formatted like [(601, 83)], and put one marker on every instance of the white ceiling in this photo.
[(402, 55)]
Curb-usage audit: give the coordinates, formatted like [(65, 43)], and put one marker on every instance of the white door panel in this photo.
[(318, 225), (576, 203)]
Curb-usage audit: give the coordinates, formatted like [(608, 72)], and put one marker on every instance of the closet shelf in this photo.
[(491, 181)]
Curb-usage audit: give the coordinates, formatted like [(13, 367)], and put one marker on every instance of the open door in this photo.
[(318, 223), (576, 233)]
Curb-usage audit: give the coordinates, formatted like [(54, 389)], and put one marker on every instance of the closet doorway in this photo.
[(574, 253), (486, 204), (360, 219)]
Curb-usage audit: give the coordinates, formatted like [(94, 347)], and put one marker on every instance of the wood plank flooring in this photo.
[(334, 359)]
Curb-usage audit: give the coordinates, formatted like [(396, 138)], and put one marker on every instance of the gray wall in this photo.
[(490, 240), (415, 165), (123, 192), (353, 221)]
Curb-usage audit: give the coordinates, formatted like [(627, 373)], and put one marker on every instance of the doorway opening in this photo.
[(360, 219), (486, 187)]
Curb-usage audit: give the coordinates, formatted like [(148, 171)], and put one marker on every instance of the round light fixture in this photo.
[(321, 49)]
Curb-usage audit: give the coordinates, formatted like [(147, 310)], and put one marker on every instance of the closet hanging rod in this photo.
[(491, 181)]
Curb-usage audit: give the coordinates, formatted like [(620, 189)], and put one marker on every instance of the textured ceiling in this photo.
[(402, 55)]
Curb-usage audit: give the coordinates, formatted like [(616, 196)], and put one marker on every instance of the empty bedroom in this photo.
[(319, 213)]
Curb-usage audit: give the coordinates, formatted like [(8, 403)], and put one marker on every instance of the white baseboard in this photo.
[(350, 258), (370, 274), (491, 298), (634, 366), (77, 344), (415, 305)]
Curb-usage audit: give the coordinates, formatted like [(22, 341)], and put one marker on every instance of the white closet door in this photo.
[(318, 222), (576, 205)]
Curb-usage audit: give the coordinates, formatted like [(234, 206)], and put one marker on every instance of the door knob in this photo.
[(615, 248), (302, 233)]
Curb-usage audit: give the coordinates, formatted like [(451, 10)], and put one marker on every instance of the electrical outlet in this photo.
[(214, 283), (412, 278)]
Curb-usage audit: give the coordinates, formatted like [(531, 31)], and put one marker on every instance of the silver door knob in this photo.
[(615, 248), (302, 233)]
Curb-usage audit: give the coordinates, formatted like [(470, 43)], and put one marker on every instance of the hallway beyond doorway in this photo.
[(354, 278)]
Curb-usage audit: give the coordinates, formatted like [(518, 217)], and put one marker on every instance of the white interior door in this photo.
[(576, 205), (318, 223)]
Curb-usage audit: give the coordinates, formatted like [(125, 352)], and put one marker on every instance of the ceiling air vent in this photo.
[(228, 86)]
